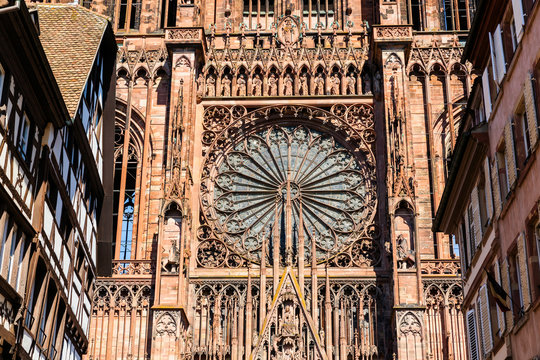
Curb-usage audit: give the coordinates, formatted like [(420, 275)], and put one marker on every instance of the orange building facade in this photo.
[(493, 209), (278, 165)]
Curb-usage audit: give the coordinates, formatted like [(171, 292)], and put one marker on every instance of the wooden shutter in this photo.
[(487, 189), (505, 275), (517, 7), (487, 93), (485, 321), (500, 314), (496, 188), (476, 217), (523, 271), (493, 54), (499, 53), (509, 153), (530, 108), (471, 335)]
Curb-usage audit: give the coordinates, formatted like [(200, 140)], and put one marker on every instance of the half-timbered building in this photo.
[(56, 66)]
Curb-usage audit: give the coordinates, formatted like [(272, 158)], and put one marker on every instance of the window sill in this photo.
[(519, 324), (528, 164)]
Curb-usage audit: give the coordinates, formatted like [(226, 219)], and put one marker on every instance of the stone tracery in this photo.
[(331, 189)]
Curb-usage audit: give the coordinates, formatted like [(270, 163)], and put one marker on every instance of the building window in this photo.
[(258, 12), (471, 230), (168, 13), (24, 136), (465, 243), (513, 35), (318, 12), (124, 203), (127, 227), (472, 335), (129, 15), (523, 122), (516, 284), (456, 15), (482, 201), (416, 15), (502, 167), (533, 249)]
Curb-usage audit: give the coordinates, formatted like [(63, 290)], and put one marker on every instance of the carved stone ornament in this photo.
[(166, 325), (393, 32), (410, 325), (288, 31), (182, 62), (255, 163)]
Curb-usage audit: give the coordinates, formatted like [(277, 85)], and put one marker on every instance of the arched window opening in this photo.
[(127, 209), (171, 242)]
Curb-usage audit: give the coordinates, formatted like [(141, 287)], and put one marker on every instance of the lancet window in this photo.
[(126, 170)]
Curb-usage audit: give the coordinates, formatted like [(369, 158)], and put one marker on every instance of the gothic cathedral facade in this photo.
[(278, 165)]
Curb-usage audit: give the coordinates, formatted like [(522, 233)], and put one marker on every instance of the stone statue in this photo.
[(241, 85), (351, 84), (226, 86), (402, 246), (257, 85), (334, 89), (404, 253), (211, 86), (200, 86), (377, 83), (288, 85), (170, 264), (319, 84), (272, 85), (367, 84), (304, 84)]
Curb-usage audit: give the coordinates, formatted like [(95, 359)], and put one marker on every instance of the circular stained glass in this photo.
[(278, 175)]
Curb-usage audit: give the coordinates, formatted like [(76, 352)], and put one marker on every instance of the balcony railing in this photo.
[(441, 267), (132, 267)]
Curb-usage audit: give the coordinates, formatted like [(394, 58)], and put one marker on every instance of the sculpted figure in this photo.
[(226, 86), (304, 84), (200, 85), (241, 84), (211, 86), (257, 85), (272, 85), (319, 84), (367, 84), (351, 84), (334, 90), (377, 83), (288, 85)]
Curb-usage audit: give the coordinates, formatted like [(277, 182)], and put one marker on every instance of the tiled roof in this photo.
[(70, 35)]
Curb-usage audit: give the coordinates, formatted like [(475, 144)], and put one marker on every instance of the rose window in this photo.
[(282, 183)]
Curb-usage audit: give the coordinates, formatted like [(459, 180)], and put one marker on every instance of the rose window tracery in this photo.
[(289, 181)]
